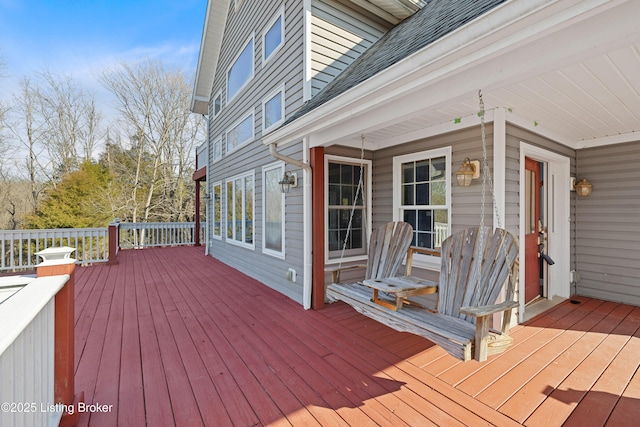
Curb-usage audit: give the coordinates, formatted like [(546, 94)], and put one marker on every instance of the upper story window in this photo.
[(241, 133), (241, 71), (273, 109), (217, 104), (422, 195), (217, 148), (273, 38)]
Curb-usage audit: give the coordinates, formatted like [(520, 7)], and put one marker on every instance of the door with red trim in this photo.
[(532, 230)]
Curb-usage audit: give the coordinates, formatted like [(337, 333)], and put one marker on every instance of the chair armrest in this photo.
[(335, 271), (488, 309), (414, 250)]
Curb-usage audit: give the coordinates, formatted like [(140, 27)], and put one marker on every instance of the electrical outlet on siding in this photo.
[(291, 275)]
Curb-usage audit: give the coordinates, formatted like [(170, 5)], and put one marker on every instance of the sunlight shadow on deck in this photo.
[(169, 336)]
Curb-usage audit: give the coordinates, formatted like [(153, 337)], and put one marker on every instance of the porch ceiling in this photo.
[(565, 69), (591, 102)]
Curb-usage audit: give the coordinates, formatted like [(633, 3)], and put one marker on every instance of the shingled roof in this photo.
[(436, 19)]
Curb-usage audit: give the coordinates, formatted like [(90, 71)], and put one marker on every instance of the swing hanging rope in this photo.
[(359, 190), (487, 181)]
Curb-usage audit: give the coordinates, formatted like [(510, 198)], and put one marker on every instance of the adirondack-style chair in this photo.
[(476, 265), (388, 246)]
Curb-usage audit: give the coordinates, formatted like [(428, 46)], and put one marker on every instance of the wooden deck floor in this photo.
[(171, 337)]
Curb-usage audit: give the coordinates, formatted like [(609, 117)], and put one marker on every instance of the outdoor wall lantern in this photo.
[(583, 187), (289, 181), (469, 170)]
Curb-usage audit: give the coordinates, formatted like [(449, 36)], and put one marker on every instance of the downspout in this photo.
[(210, 221), (306, 212)]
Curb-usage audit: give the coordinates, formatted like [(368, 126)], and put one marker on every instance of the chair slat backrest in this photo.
[(464, 258), (387, 248)]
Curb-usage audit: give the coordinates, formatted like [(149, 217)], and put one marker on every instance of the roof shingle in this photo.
[(435, 20)]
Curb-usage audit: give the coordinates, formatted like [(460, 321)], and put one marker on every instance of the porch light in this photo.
[(288, 181), (583, 187), (469, 170)]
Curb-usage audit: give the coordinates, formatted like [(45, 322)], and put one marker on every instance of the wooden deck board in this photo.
[(170, 337), (497, 393)]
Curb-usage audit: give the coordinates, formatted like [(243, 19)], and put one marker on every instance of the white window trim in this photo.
[(265, 250), (234, 242), (419, 260), (264, 102), (271, 23), (213, 110), (235, 59), (215, 159), (246, 141), (369, 197), (213, 210)]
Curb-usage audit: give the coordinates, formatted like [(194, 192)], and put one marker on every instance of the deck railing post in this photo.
[(114, 241), (196, 228), (56, 262)]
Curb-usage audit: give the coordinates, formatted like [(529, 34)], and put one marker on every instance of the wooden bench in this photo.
[(476, 265)]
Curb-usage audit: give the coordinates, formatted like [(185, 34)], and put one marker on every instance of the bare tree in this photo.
[(27, 128), (159, 133), (71, 119)]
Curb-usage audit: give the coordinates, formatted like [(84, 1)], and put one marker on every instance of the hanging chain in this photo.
[(486, 177), (485, 173), (359, 190)]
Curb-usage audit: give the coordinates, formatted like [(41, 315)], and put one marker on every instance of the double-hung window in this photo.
[(217, 148), (217, 104), (273, 205), (343, 176), (240, 213), (422, 195), (241, 133), (241, 71), (217, 210), (273, 109), (273, 37)]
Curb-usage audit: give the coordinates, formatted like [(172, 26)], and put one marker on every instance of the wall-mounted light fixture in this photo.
[(468, 171), (288, 181), (583, 187)]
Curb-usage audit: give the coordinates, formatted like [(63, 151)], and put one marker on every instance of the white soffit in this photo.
[(214, 24), (392, 11)]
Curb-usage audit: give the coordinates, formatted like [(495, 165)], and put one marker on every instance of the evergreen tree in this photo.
[(78, 201)]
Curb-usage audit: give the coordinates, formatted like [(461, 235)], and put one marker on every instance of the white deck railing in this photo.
[(148, 234), (20, 246), (27, 351)]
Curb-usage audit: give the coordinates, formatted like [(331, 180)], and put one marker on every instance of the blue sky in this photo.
[(81, 37)]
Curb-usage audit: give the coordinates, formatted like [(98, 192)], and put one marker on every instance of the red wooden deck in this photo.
[(171, 337)]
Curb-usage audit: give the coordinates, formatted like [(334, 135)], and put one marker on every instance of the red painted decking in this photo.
[(171, 337)]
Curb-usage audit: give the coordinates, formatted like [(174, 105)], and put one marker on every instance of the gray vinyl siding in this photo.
[(285, 67), (465, 201), (338, 36), (608, 223)]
